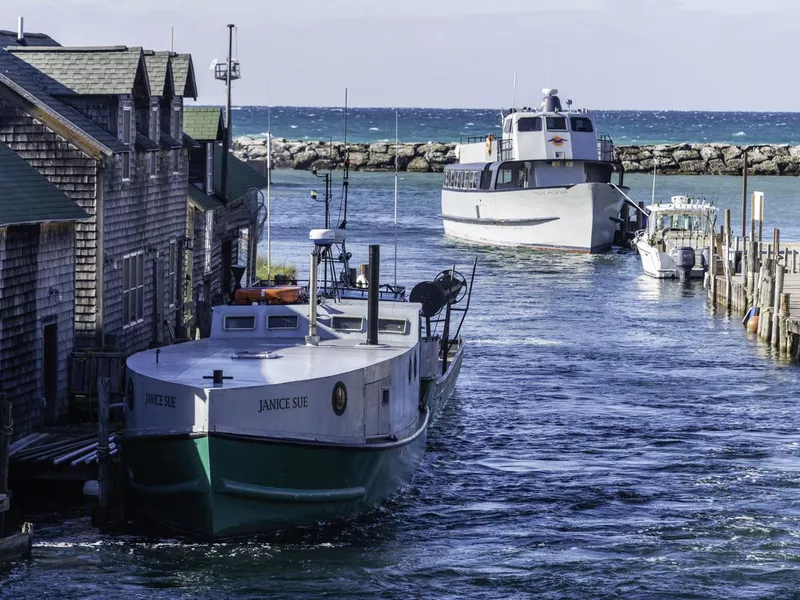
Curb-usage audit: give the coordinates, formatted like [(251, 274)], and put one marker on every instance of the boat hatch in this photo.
[(392, 326), (254, 354), (340, 323), (239, 323), (282, 322)]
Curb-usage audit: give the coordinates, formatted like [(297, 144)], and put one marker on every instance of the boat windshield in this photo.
[(682, 222)]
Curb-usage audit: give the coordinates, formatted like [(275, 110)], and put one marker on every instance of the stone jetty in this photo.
[(678, 159)]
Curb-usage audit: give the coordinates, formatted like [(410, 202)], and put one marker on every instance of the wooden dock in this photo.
[(759, 280)]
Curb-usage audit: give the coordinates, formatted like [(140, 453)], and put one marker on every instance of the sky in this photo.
[(604, 54)]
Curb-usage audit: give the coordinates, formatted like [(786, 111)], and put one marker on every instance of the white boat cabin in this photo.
[(546, 147)]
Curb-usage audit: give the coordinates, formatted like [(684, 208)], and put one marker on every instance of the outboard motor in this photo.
[(685, 261), (551, 102)]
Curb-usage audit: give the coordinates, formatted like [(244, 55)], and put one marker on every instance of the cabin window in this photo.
[(240, 323), (529, 124), (556, 123), (507, 126), (347, 323), (392, 325), (282, 322), (581, 124), (486, 179), (447, 178), (126, 124), (132, 288)]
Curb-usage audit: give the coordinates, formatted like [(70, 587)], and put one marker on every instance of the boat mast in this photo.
[(345, 179), (653, 196), (396, 148), (269, 199)]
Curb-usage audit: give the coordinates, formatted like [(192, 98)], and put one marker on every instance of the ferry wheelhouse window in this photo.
[(581, 124), (132, 288), (347, 323), (507, 126), (282, 322), (239, 323), (529, 124), (556, 123), (392, 326)]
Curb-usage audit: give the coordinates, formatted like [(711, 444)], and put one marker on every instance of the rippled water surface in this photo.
[(610, 437)]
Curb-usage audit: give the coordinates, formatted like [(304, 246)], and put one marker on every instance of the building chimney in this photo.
[(20, 32)]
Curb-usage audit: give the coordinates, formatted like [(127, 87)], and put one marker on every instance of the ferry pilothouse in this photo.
[(547, 183)]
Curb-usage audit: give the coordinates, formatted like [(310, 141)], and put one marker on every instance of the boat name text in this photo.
[(159, 400), (282, 403)]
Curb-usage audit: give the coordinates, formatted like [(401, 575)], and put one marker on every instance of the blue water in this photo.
[(611, 436), (447, 125)]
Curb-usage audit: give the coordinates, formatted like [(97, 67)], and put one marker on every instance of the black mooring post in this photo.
[(372, 293)]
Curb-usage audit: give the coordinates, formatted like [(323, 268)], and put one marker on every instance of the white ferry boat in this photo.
[(545, 184)]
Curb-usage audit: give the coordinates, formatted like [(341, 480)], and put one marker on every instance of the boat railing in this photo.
[(605, 147), (474, 139), (505, 150)]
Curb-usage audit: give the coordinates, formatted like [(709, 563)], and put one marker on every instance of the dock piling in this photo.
[(103, 401), (7, 432)]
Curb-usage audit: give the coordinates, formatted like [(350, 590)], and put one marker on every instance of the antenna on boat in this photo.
[(396, 148), (653, 197), (345, 182), (269, 182), (514, 92)]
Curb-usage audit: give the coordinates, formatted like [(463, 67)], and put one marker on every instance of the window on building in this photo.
[(132, 288), (209, 168), (126, 166), (207, 237), (154, 124), (172, 274), (529, 124), (176, 161), (152, 164), (176, 122), (243, 246), (127, 122), (556, 123), (581, 124)]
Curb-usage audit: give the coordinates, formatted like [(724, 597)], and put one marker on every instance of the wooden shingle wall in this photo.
[(75, 174), (34, 259), (142, 214)]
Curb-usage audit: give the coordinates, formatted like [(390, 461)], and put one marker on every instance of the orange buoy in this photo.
[(752, 324), (279, 294)]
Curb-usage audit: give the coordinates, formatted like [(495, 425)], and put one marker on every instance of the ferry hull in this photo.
[(228, 485), (579, 218)]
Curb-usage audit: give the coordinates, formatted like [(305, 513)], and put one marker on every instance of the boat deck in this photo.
[(193, 363)]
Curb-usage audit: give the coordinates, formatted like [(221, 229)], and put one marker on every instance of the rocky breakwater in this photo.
[(710, 159), (677, 159), (379, 156)]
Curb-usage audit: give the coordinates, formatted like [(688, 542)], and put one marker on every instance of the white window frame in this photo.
[(208, 236), (127, 137), (126, 162), (172, 273), (209, 168), (132, 289)]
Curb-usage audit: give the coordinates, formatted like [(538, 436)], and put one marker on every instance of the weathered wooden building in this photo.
[(223, 224), (37, 282), (105, 125)]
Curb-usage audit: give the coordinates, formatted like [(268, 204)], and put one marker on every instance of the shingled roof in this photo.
[(9, 38), (21, 81), (203, 123), (241, 176), (86, 71), (26, 196), (183, 75), (158, 72)]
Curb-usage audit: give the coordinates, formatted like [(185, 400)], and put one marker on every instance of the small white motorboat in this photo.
[(674, 244)]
